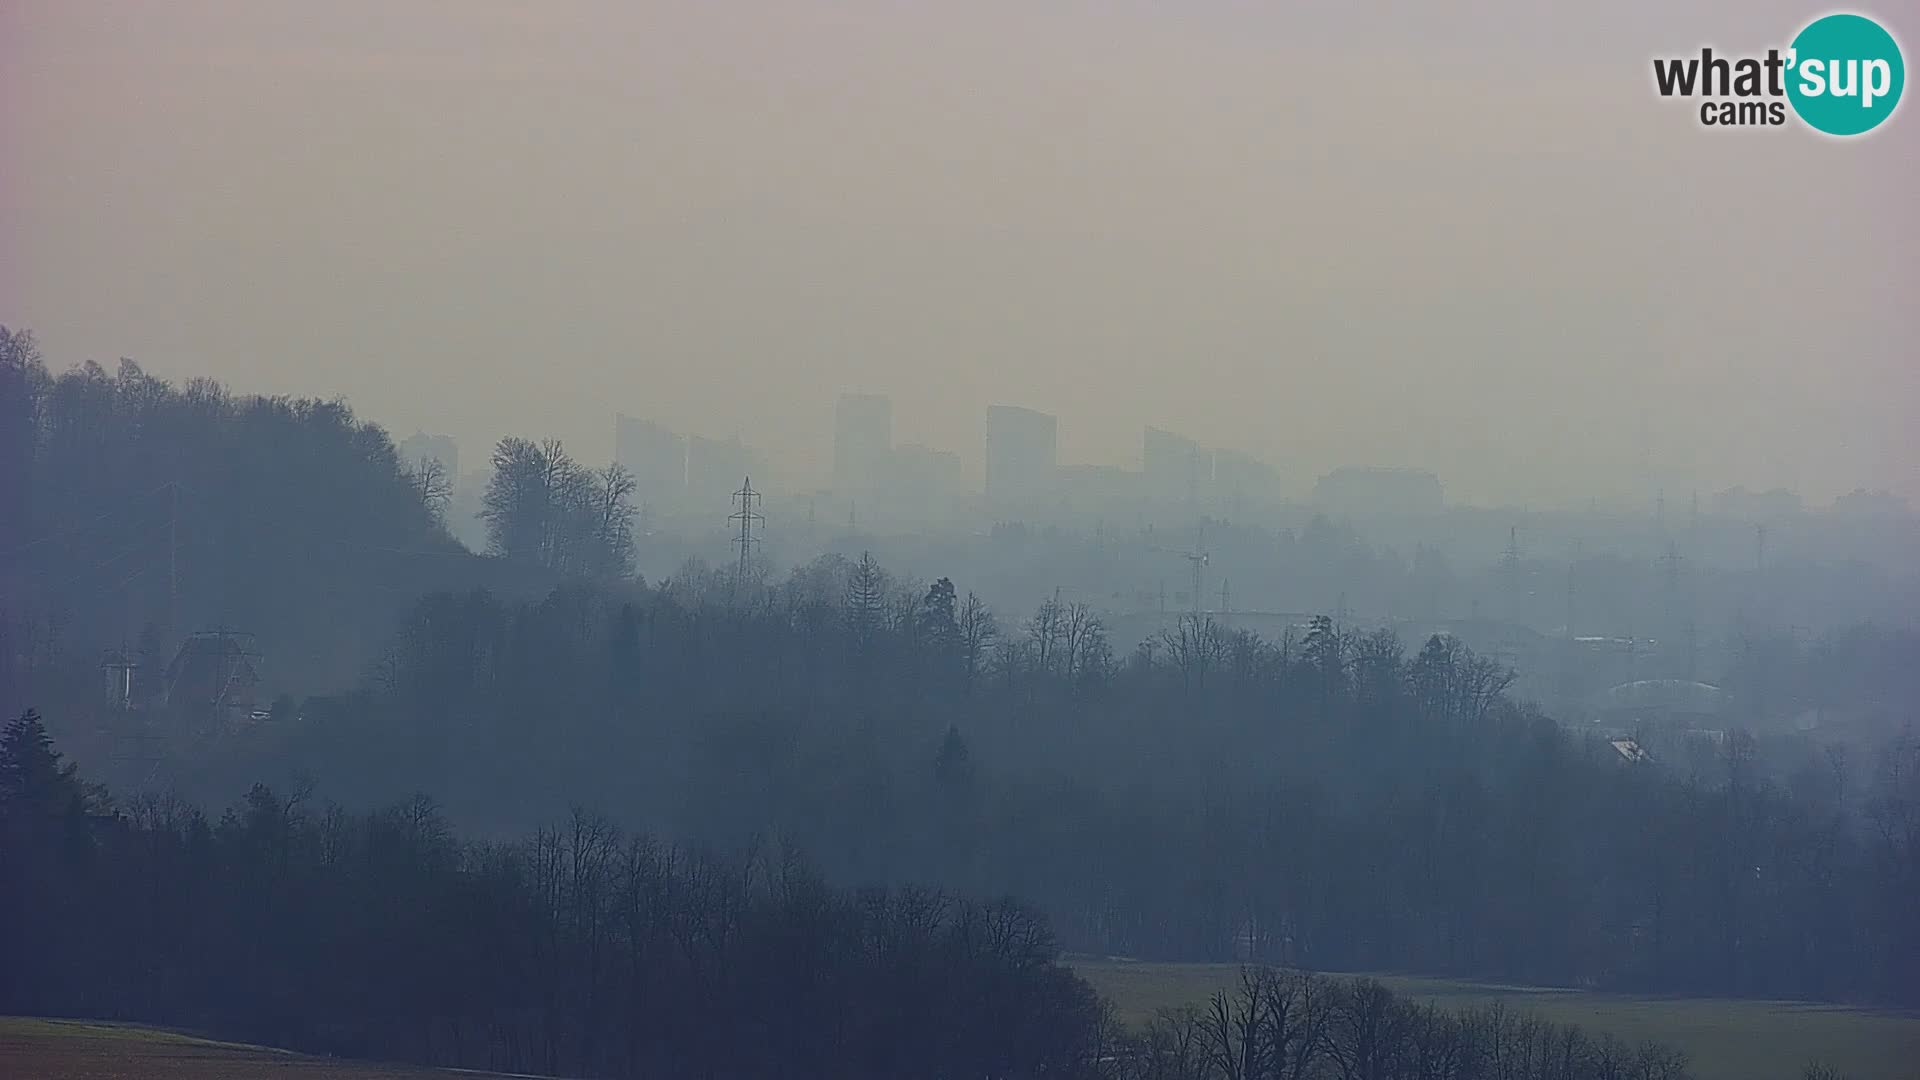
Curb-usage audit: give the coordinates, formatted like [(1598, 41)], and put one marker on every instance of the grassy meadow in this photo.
[(1725, 1039), (37, 1049)]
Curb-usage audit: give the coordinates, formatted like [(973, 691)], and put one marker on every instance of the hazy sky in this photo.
[(1475, 242)]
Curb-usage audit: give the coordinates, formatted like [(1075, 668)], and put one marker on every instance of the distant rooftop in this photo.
[(1669, 695)]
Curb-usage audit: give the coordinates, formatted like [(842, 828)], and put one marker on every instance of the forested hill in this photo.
[(135, 512), (1332, 799), (588, 951)]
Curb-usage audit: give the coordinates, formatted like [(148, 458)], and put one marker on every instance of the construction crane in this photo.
[(1197, 558)]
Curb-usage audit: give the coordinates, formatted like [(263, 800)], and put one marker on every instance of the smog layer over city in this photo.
[(1115, 541)]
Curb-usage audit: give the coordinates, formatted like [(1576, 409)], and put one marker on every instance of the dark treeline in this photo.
[(133, 512), (1330, 799), (543, 507), (1325, 800), (1285, 1025), (584, 951), (581, 951)]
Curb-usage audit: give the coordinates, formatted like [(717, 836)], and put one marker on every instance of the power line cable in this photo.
[(144, 545), (84, 525), (89, 571)]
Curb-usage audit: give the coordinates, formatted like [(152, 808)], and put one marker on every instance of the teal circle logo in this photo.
[(1845, 74)]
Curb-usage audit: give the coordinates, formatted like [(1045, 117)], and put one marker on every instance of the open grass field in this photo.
[(35, 1049), (1725, 1039)]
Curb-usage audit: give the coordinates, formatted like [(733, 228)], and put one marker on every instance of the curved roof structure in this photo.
[(1667, 695)]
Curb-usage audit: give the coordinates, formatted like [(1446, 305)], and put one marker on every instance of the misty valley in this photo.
[(1191, 781)]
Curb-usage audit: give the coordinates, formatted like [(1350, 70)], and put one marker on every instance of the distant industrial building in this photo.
[(1089, 487), (1665, 699), (915, 467), (921, 482), (655, 456), (1367, 490), (1629, 750), (1238, 477), (1022, 453), (1861, 503), (1175, 466), (715, 468), (862, 443)]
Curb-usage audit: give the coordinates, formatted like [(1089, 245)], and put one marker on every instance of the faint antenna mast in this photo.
[(1510, 555), (1672, 559), (1568, 657), (1645, 464), (1760, 545), (1573, 561), (750, 523), (173, 558), (1198, 557), (1512, 584), (1688, 637)]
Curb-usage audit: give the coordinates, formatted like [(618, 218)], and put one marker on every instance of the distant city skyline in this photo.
[(1500, 258), (870, 465)]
